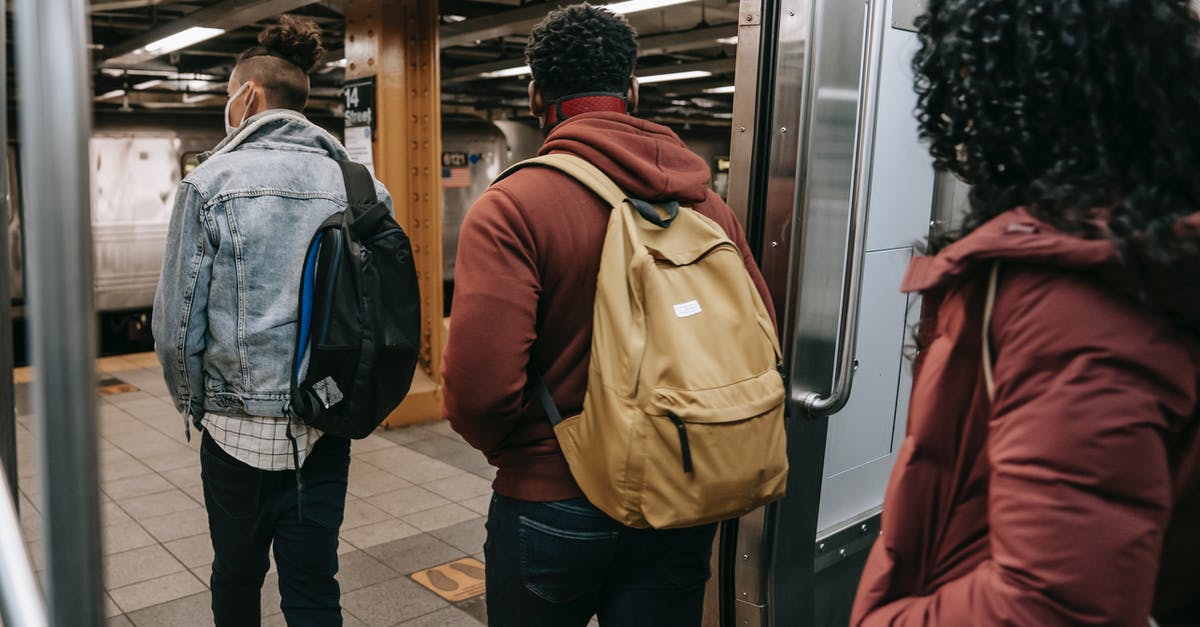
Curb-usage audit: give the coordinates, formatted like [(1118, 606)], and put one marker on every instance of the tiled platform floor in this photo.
[(417, 499)]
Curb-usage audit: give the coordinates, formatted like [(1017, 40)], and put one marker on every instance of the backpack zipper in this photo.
[(337, 260), (684, 448)]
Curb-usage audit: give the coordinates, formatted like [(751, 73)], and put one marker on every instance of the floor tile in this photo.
[(439, 517), (459, 487), (138, 565), (445, 617), (479, 504), (193, 551), (110, 608), (475, 608), (155, 591), (203, 573), (370, 443), (411, 554), (185, 477), (372, 483), (177, 525), (113, 471), (468, 536), (172, 461), (190, 611), (390, 602), (378, 533), (358, 569), (402, 435), (360, 513), (440, 447), (154, 505), (112, 514), (125, 536), (407, 501), (117, 621), (270, 600), (136, 486)]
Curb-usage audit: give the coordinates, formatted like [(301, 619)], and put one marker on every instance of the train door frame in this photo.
[(805, 189)]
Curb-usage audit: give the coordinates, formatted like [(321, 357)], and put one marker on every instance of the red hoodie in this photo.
[(525, 283), (1073, 498)]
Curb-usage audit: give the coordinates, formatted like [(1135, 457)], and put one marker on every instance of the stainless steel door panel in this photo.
[(785, 165), (902, 181), (863, 437), (859, 448)]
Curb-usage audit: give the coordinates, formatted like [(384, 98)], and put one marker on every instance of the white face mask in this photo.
[(230, 128)]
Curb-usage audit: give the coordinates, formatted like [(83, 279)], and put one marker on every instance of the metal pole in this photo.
[(20, 601), (8, 416), (53, 77)]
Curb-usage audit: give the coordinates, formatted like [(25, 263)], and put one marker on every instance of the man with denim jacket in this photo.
[(225, 330)]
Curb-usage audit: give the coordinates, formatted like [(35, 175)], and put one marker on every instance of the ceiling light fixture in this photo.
[(674, 76), (507, 72), (725, 89), (635, 6), (182, 39), (732, 41)]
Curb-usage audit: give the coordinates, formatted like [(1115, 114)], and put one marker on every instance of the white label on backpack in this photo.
[(327, 390), (690, 308)]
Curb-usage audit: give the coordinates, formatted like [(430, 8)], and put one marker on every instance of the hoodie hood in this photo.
[(281, 129), (1018, 236), (646, 160)]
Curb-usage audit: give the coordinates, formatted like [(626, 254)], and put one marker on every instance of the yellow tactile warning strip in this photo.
[(112, 386), (457, 581), (104, 365)]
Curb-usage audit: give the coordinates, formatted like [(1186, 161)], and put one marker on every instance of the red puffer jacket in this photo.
[(1074, 497)]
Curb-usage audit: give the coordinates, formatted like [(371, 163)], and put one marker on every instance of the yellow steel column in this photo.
[(396, 42)]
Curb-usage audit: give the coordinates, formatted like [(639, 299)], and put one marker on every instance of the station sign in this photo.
[(360, 102)]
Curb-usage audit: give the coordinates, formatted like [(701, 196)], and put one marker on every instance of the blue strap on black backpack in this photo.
[(359, 316)]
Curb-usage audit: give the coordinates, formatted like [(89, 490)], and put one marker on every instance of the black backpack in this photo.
[(359, 315)]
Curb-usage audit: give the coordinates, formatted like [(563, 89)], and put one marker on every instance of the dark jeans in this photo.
[(558, 564), (251, 509)]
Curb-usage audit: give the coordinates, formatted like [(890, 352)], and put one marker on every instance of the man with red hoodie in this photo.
[(525, 285)]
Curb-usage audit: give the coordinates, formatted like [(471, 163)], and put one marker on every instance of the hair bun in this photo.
[(296, 39)]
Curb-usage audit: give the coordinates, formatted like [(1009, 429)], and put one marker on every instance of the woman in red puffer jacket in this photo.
[(1051, 473)]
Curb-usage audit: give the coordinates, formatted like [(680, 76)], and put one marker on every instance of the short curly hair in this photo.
[(581, 49), (1084, 112)]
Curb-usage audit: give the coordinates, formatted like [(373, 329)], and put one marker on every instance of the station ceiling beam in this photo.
[(226, 15), (521, 20), (647, 46)]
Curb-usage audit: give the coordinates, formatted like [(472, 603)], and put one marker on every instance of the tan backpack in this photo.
[(683, 420)]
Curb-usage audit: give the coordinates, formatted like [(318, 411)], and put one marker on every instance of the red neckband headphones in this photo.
[(591, 102)]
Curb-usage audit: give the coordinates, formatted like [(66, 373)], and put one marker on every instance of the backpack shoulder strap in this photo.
[(360, 185), (577, 168), (988, 305), (360, 194)]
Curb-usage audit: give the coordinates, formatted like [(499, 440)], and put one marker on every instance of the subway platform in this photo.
[(411, 550)]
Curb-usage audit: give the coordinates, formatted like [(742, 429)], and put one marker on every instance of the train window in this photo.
[(189, 161)]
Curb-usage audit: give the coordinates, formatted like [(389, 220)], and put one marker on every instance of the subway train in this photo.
[(135, 169)]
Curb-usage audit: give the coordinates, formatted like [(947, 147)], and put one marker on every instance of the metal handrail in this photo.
[(21, 602), (813, 402)]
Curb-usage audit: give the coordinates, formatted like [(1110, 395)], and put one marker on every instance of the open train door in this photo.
[(836, 191)]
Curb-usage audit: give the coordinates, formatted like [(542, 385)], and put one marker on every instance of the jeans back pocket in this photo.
[(560, 564)]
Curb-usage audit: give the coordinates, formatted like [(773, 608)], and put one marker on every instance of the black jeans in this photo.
[(251, 509), (558, 564)]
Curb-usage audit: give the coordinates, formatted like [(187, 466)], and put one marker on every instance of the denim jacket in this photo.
[(225, 312)]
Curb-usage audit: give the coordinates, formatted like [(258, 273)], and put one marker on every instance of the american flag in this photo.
[(456, 177)]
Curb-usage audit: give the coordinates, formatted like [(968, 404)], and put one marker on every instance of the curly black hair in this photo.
[(1087, 113), (580, 49)]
